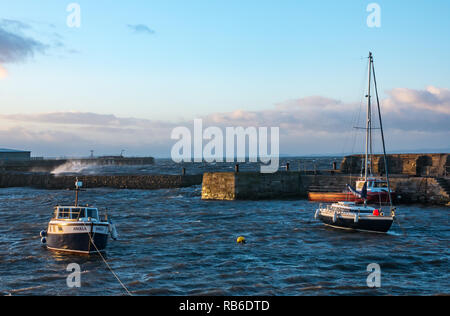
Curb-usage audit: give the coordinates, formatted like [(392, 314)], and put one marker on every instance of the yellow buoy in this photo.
[(241, 240)]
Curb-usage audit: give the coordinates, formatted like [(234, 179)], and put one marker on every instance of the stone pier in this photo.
[(52, 182), (282, 185)]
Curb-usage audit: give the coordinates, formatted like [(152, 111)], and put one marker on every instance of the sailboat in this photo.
[(362, 217)]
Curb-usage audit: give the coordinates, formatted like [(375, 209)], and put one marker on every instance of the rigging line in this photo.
[(382, 138), (355, 115), (106, 263), (356, 118)]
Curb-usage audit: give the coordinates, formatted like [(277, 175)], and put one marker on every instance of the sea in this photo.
[(173, 243)]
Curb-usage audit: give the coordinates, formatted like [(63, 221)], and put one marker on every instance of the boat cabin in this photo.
[(373, 185), (76, 213)]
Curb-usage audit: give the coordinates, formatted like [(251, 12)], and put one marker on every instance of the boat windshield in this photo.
[(76, 213), (92, 213), (63, 213)]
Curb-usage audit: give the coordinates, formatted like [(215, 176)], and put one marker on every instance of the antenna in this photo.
[(78, 186)]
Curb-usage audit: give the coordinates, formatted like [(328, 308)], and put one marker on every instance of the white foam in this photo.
[(75, 167)]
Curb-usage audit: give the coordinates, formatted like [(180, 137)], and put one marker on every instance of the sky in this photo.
[(134, 70)]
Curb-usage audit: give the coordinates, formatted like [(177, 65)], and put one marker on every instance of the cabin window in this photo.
[(77, 213), (64, 213), (381, 185), (92, 213)]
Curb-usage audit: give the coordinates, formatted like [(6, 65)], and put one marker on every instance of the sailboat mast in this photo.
[(382, 138), (368, 123)]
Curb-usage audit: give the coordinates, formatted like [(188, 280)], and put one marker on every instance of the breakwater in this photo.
[(281, 185), (52, 182), (238, 185), (47, 165)]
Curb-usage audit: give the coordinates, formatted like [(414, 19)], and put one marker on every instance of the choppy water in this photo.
[(172, 243)]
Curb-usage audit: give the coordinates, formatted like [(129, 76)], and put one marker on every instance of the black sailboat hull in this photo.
[(369, 224)]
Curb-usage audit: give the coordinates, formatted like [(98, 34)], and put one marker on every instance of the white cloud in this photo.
[(432, 99), (413, 119)]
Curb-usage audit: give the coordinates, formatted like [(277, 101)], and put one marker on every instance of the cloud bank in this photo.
[(413, 119)]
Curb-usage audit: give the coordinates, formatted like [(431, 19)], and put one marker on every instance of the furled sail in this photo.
[(361, 194)]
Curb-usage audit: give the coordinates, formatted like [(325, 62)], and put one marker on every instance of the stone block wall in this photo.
[(407, 164), (219, 186), (145, 182), (256, 186), (251, 186), (420, 190)]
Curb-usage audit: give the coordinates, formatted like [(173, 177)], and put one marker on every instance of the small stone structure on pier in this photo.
[(251, 185)]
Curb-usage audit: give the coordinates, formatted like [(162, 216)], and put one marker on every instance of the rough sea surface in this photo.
[(173, 243)]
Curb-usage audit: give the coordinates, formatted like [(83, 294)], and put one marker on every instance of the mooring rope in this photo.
[(106, 262), (401, 227)]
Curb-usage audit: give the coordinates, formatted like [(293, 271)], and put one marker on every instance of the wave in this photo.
[(76, 167)]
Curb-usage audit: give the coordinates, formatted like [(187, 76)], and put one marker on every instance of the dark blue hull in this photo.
[(77, 243), (370, 225)]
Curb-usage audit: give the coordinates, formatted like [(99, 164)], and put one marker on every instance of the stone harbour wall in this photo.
[(436, 165), (282, 185), (52, 182), (239, 186)]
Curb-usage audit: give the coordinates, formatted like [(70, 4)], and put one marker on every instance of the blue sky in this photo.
[(207, 57)]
